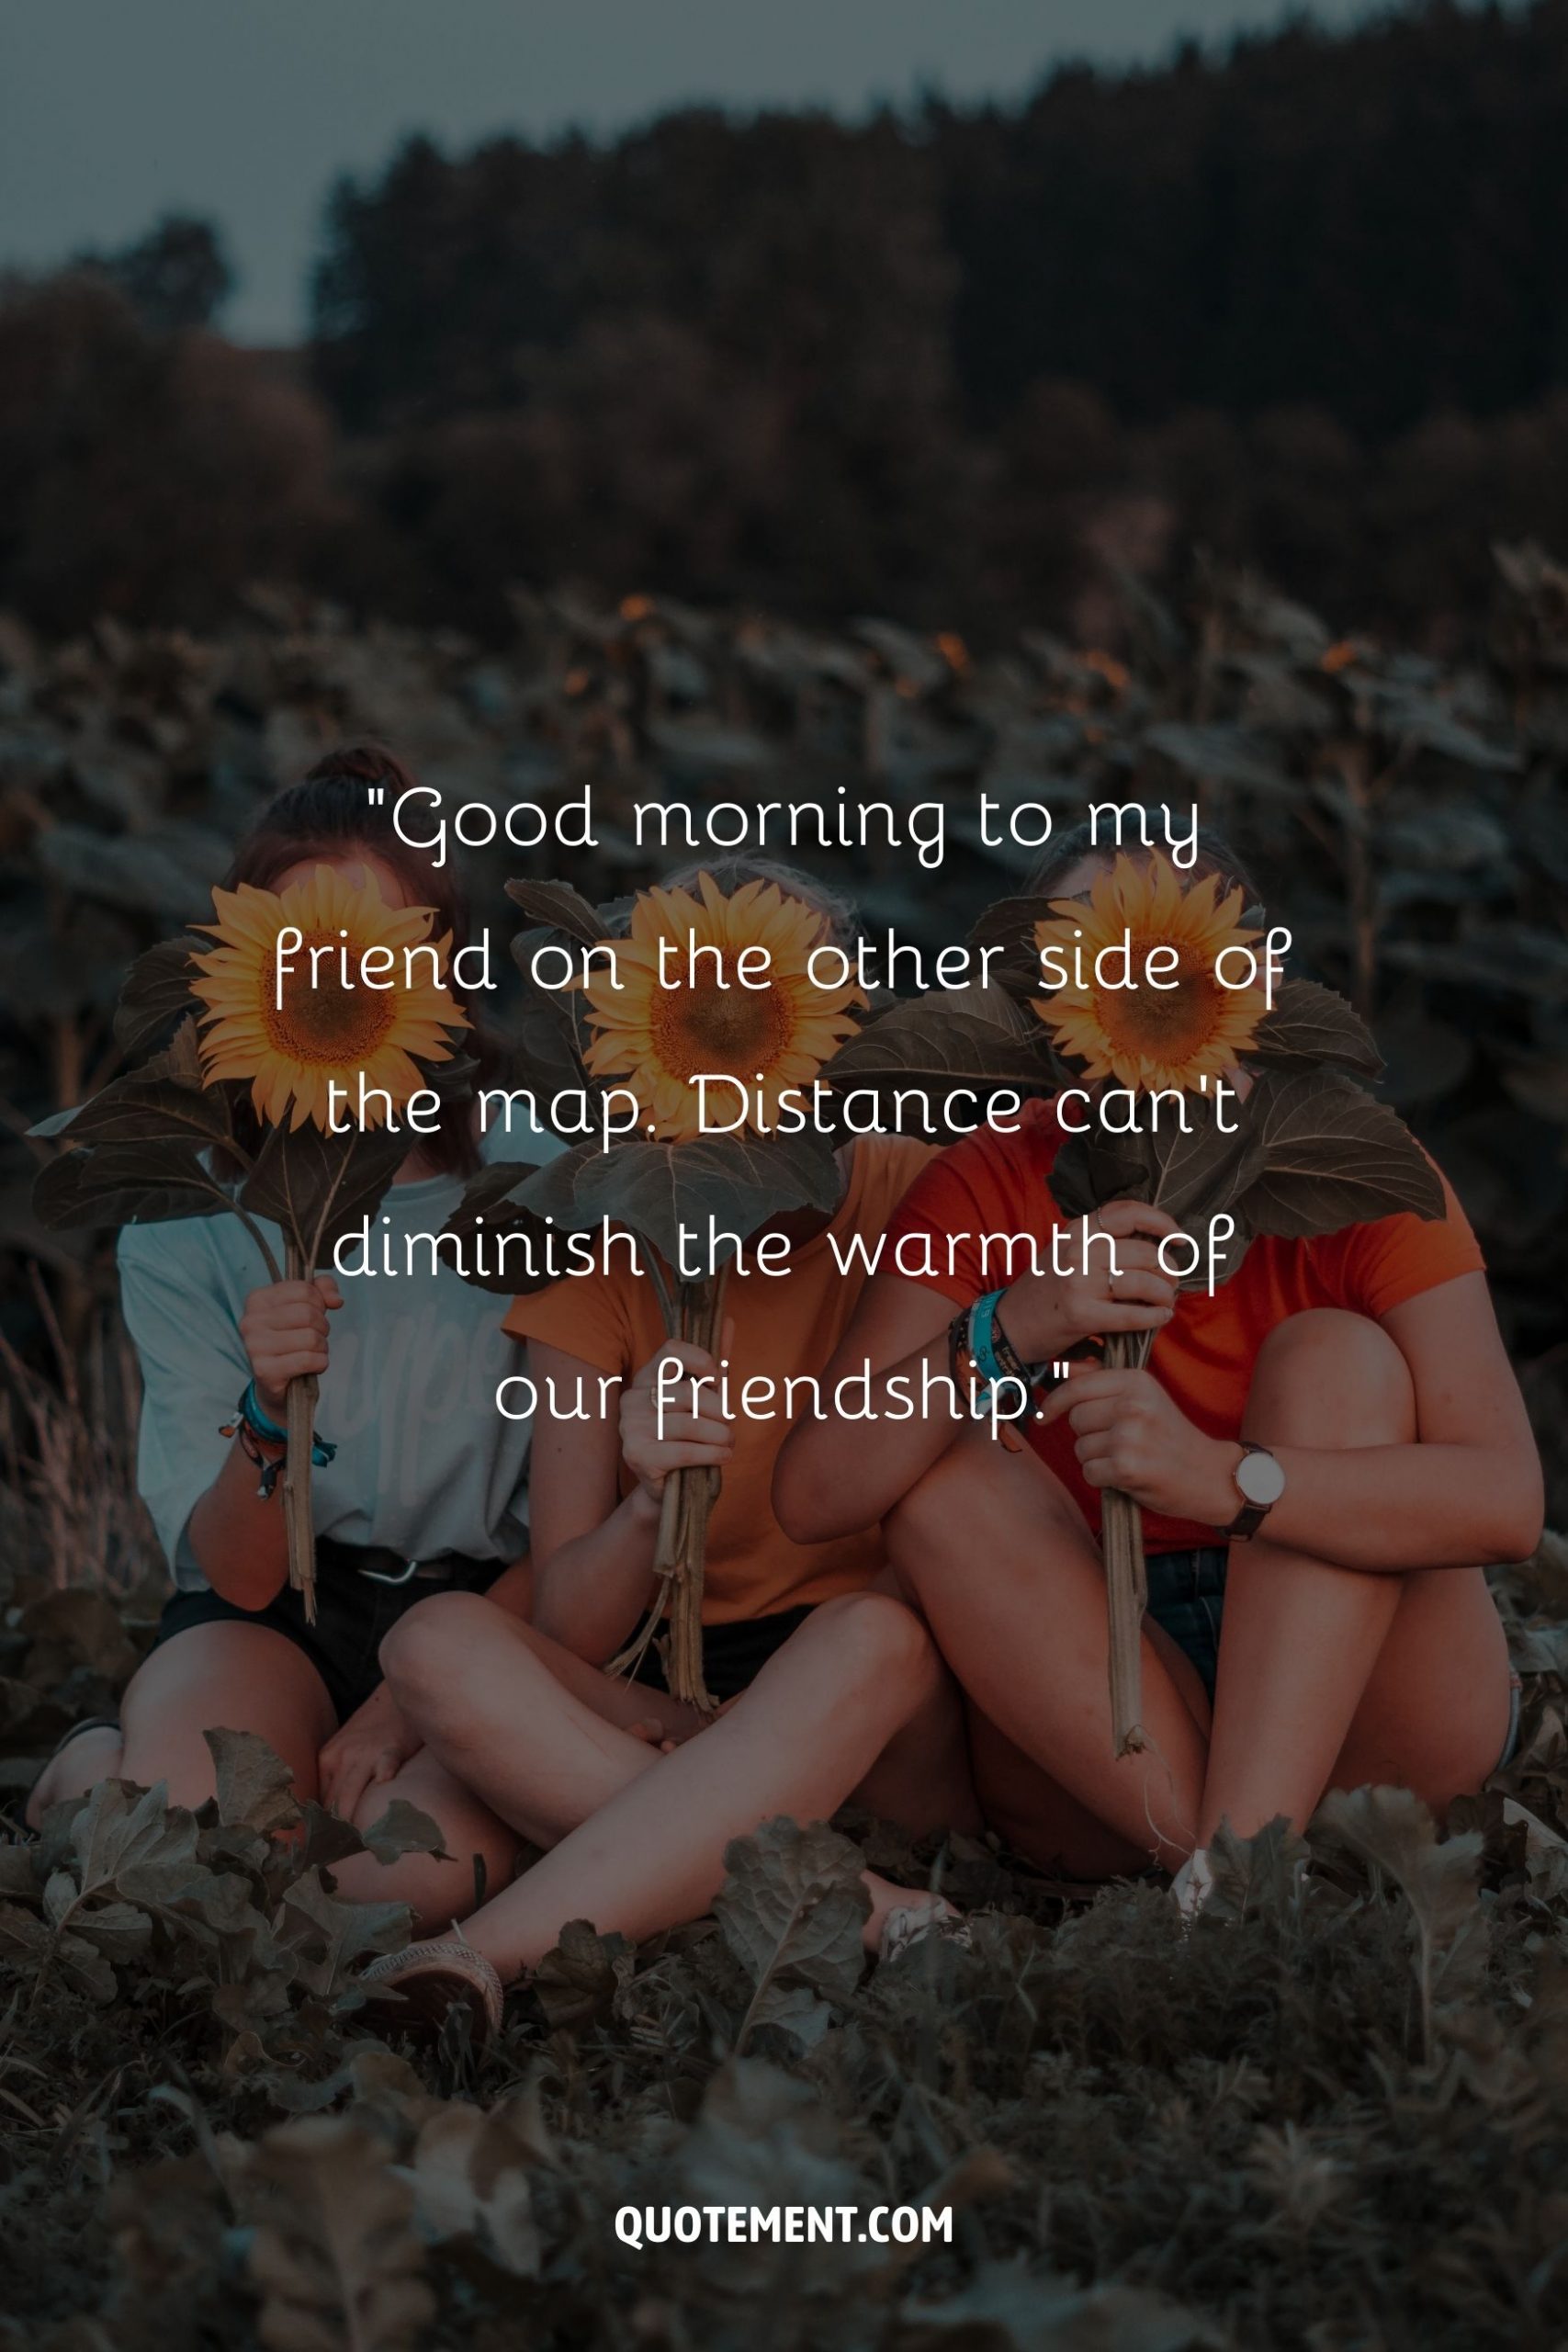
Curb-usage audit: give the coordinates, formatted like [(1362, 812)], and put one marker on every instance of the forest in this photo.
[(948, 363)]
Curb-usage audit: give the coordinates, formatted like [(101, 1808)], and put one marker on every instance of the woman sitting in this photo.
[(1324, 1450), (427, 1489), (831, 1690)]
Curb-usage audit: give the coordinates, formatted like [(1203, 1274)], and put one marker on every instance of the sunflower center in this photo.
[(327, 1023), (709, 1028), (1167, 1024)]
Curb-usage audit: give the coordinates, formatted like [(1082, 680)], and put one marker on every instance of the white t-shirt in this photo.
[(424, 1463)]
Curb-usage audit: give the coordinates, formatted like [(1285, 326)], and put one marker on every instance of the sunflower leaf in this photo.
[(1310, 1024), (142, 1183), (317, 1187), (486, 1214), (151, 1110), (658, 1188), (964, 1037), (548, 1040), (1331, 1157), (1197, 1174), (157, 993), (558, 906), (1008, 924)]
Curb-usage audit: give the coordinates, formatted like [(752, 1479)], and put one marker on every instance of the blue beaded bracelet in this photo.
[(982, 1341), (250, 1411), (322, 1448)]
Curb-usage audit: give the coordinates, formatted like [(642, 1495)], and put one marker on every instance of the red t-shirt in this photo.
[(996, 1184)]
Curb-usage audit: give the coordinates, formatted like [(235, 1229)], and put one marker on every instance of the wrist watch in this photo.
[(1260, 1482)]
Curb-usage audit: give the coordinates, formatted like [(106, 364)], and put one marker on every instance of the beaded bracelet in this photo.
[(255, 1429), (961, 1357)]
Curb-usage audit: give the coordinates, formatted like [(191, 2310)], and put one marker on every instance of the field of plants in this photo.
[(1329, 2115)]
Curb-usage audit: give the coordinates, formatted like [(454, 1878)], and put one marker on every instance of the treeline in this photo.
[(1304, 302)]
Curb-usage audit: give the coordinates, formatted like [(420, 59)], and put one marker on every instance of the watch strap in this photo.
[(1251, 1516)]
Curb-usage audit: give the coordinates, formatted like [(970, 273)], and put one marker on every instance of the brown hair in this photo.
[(331, 814)]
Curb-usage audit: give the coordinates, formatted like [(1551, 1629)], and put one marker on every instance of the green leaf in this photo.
[(1261, 1874), (1198, 1175), (324, 1936), (169, 870), (791, 1909), (557, 906), (318, 1187), (470, 2176), (1221, 754), (1332, 1157), (142, 1109), (403, 1829), (31, 1941), (657, 1188), (486, 1215), (1008, 923), (256, 1787), (127, 1183), (333, 2255), (1392, 1831), (156, 993), (577, 1982), (1310, 1024), (547, 1042), (973, 1038)]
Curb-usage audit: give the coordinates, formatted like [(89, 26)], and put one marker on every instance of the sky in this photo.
[(115, 112)]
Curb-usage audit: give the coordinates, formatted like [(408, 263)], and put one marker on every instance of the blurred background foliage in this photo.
[(1301, 301)]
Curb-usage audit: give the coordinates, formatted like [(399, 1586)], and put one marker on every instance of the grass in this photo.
[(1332, 2115)]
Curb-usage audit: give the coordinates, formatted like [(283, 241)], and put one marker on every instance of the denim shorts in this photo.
[(1187, 1597)]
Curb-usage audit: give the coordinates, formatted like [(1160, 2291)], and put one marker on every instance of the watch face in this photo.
[(1260, 1478)]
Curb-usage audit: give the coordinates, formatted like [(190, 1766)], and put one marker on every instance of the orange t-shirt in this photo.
[(996, 1184), (785, 1324)]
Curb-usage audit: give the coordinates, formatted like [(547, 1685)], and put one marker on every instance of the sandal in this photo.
[(425, 1983), (918, 1923)]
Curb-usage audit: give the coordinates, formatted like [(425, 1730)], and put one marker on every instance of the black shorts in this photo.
[(353, 1615), (733, 1655)]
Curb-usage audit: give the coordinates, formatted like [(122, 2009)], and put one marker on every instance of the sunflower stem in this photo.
[(701, 1318), (299, 1422), (1126, 1578)]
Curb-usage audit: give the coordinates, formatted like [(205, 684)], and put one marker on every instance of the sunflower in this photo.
[(325, 1032), (655, 1031), (1144, 1036)]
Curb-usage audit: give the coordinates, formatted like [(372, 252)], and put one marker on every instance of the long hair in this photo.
[(329, 815)]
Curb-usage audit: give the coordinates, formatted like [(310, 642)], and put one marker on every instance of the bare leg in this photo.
[(1034, 1815), (1328, 1676), (1004, 1569), (649, 1850), (241, 1678), (539, 1736), (82, 1763), (483, 1851)]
